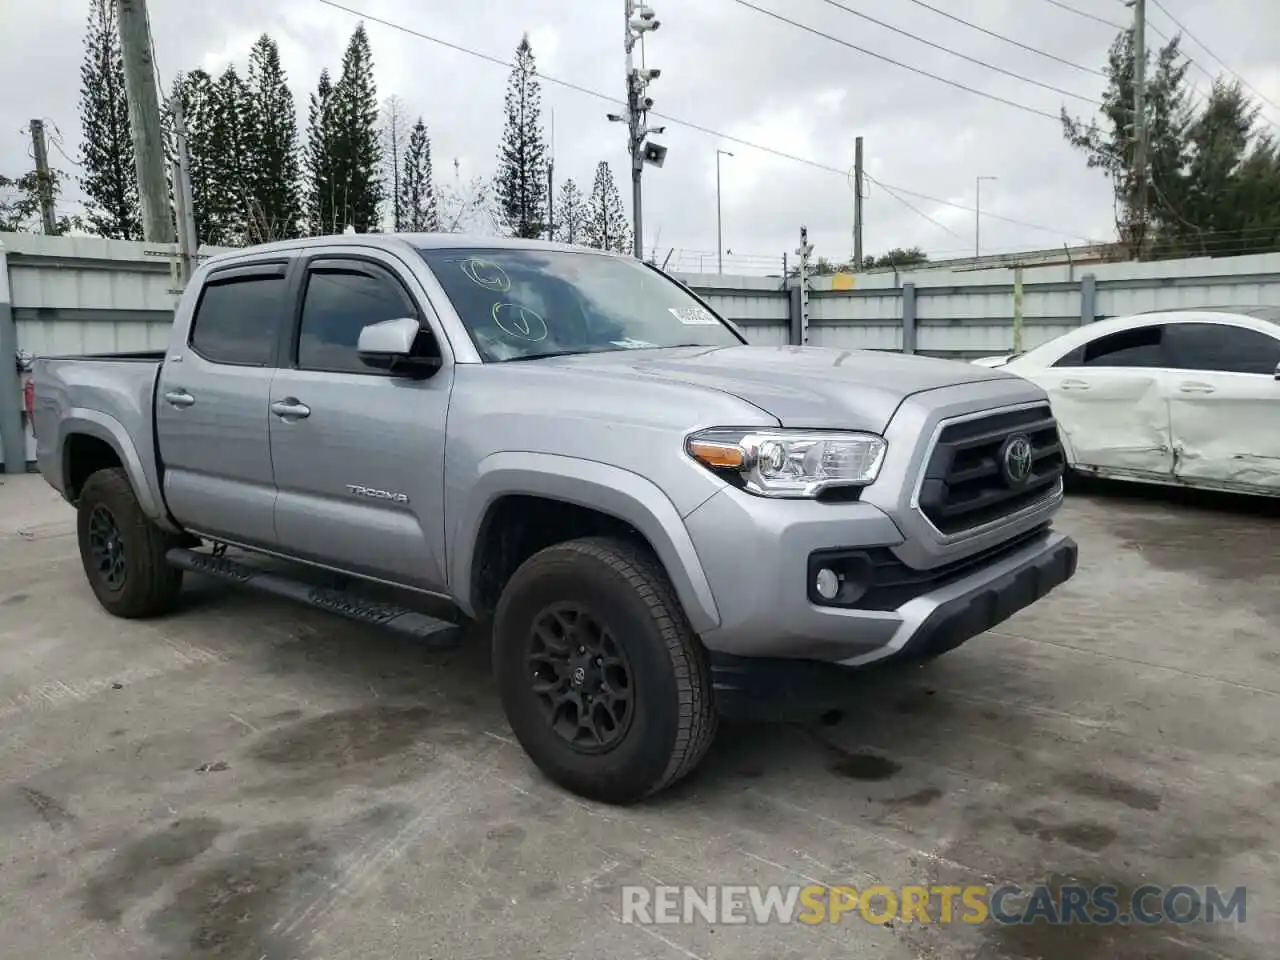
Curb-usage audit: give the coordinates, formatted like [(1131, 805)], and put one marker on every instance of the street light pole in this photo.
[(977, 215), (719, 228)]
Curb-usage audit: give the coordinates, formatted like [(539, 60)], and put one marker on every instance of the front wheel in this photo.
[(123, 552), (602, 679)]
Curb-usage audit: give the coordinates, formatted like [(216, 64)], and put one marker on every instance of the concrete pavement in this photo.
[(247, 779)]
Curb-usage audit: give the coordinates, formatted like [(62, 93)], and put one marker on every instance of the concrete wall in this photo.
[(61, 295)]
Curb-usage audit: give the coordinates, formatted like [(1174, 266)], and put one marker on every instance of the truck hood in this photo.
[(820, 387)]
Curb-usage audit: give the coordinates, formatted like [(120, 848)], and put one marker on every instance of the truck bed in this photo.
[(109, 397)]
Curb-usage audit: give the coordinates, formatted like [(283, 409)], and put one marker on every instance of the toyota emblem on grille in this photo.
[(1015, 460)]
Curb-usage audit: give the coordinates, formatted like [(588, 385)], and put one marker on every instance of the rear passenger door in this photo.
[(1224, 405), (359, 453), (211, 406)]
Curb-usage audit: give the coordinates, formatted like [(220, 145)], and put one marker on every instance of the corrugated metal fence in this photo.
[(61, 295)]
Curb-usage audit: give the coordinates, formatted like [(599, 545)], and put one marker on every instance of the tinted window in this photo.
[(236, 320), (521, 303), (1140, 347), (339, 304), (1223, 348)]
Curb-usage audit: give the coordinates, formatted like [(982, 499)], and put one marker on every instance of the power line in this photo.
[(1009, 40), (897, 63), (910, 206), (709, 131), (1088, 16), (956, 53), (1252, 89)]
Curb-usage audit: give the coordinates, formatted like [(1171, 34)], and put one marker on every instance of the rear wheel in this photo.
[(123, 552), (604, 683)]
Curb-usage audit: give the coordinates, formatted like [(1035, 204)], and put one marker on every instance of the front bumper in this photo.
[(791, 689), (759, 571)]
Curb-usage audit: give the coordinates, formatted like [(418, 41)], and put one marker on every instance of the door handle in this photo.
[(179, 398), (1074, 385), (1192, 387), (290, 408)]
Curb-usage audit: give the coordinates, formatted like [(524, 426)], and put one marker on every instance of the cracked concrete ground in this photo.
[(247, 779)]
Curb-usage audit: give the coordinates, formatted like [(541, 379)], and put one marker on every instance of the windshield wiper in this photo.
[(543, 356)]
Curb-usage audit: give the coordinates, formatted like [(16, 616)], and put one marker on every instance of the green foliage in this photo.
[(20, 204), (417, 210), (571, 213), (110, 180), (898, 257), (521, 179), (357, 187), (325, 214), (606, 226), (195, 93), (229, 161), (274, 202), (1214, 178)]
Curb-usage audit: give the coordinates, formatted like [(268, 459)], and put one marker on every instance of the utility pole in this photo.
[(977, 215), (144, 119), (719, 224), (857, 204), (1140, 121), (44, 179), (188, 243), (639, 21)]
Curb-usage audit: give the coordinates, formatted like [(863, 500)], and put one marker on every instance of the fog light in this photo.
[(827, 584)]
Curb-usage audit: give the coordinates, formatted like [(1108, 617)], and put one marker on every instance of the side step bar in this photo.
[(437, 634)]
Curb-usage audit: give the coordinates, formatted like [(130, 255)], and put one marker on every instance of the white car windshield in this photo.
[(521, 304)]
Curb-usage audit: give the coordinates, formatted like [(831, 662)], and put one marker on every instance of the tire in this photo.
[(137, 581), (671, 720)]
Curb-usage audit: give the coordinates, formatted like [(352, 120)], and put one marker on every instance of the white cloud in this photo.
[(723, 67)]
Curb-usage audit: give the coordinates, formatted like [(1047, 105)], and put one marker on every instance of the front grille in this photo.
[(968, 481)]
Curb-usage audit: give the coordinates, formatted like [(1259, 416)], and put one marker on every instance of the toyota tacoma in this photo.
[(660, 521)]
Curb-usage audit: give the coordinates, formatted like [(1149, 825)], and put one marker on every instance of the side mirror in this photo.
[(1278, 371), (399, 346)]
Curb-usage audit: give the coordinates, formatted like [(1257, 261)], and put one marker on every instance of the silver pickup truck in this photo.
[(661, 522)]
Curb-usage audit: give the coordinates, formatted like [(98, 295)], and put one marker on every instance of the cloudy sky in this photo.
[(733, 70)]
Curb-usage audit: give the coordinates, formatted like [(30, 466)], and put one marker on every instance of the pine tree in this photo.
[(522, 159), (195, 92), (606, 226), (229, 162), (326, 211), (110, 181), (357, 152), (571, 209), (394, 134), (274, 206), (417, 208)]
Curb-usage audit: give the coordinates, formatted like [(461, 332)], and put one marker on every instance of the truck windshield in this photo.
[(523, 304)]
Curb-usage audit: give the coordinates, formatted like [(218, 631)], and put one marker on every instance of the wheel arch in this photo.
[(561, 498)]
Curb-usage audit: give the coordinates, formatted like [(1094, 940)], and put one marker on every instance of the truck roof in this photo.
[(419, 241)]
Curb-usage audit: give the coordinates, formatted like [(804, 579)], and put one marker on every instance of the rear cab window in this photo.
[(237, 318)]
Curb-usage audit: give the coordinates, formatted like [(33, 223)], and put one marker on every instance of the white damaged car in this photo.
[(1180, 397)]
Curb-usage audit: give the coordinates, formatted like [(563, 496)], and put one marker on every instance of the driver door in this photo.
[(1109, 397), (359, 452)]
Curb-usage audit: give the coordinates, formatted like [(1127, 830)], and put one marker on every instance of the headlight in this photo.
[(790, 463)]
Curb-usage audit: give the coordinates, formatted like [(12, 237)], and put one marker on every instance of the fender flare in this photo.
[(92, 423), (586, 483)]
